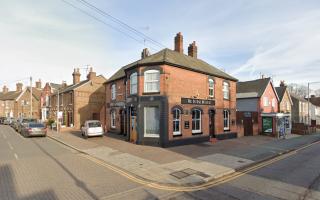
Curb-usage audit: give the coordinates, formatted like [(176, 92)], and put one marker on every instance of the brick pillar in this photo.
[(5, 89), (19, 87), (145, 53), (178, 43), (193, 50)]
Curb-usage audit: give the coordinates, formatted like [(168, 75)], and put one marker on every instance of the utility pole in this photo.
[(31, 97), (58, 106)]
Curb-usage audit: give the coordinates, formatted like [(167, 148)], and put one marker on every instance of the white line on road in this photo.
[(11, 147), (16, 156)]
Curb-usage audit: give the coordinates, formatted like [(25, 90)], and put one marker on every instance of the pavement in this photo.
[(187, 165)]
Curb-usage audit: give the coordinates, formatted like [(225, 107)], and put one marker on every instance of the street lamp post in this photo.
[(58, 106)]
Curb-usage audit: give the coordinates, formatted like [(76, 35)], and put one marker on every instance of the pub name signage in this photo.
[(197, 101)]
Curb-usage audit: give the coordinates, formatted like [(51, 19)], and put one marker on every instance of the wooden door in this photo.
[(247, 124), (211, 124), (133, 125)]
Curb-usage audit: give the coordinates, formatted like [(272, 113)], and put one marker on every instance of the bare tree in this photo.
[(299, 90)]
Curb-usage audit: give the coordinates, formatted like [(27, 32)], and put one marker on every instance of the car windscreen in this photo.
[(36, 125), (29, 120), (94, 124)]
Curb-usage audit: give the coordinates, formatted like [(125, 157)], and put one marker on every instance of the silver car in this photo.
[(24, 122), (34, 129), (92, 128)]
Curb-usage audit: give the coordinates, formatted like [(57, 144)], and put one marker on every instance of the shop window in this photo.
[(151, 122), (113, 119), (196, 121), (226, 120), (113, 91), (152, 81), (133, 83), (226, 90), (211, 88), (176, 121)]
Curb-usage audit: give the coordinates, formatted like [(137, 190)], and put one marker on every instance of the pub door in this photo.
[(211, 123), (248, 125), (133, 125), (122, 122)]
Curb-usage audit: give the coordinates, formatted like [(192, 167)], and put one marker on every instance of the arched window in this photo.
[(211, 88), (113, 119), (196, 121), (133, 83), (225, 90), (113, 91), (176, 121), (151, 81)]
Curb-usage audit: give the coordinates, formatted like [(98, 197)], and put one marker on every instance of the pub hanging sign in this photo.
[(197, 101)]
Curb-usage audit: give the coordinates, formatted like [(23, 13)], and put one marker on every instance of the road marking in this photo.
[(16, 156), (10, 146), (206, 185)]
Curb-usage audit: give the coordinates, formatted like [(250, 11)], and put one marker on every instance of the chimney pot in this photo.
[(5, 89), (282, 84), (38, 84), (178, 43), (19, 87), (76, 76), (91, 74), (64, 84), (193, 50), (145, 53)]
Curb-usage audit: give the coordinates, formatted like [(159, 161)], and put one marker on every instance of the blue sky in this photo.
[(47, 39)]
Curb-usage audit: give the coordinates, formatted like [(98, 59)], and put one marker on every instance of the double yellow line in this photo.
[(203, 186)]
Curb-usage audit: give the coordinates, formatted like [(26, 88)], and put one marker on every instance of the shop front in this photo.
[(276, 124)]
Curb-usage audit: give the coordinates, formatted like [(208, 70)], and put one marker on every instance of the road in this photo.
[(40, 168)]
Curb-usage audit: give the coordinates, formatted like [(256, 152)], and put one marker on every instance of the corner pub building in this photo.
[(170, 98)]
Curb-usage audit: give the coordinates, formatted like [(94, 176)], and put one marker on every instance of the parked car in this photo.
[(34, 129), (92, 128), (7, 121), (2, 120), (23, 122), (13, 122)]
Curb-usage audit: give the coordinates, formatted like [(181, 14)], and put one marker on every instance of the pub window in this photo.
[(226, 120), (176, 121), (152, 81), (196, 121), (133, 83), (211, 88), (225, 90), (151, 122), (113, 119), (113, 91)]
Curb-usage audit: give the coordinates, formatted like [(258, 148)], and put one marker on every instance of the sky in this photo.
[(48, 39)]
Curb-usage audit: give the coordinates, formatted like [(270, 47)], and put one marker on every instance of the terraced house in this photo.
[(80, 101), (170, 98)]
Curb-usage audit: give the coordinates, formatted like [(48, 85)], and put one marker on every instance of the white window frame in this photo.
[(288, 106), (145, 124), (151, 81), (211, 87), (134, 76), (225, 89), (265, 101), (226, 118), (176, 120), (113, 119), (200, 119), (113, 91)]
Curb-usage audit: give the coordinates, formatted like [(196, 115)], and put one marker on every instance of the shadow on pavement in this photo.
[(8, 190), (78, 182)]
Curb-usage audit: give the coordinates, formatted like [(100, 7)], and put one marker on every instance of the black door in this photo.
[(247, 124), (211, 123)]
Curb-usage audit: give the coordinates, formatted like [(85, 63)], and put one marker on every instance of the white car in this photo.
[(92, 128)]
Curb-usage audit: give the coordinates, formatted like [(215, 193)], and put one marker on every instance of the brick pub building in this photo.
[(170, 98)]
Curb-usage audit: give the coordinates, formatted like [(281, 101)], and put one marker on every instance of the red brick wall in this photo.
[(270, 94)]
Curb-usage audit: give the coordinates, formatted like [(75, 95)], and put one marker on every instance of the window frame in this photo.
[(151, 71), (196, 131), (265, 101), (211, 88), (226, 90), (113, 91), (174, 119), (135, 74), (113, 119), (145, 123), (226, 128)]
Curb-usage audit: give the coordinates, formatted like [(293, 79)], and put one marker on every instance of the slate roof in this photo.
[(55, 86), (293, 96), (252, 89), (315, 101), (281, 91), (11, 95), (173, 58)]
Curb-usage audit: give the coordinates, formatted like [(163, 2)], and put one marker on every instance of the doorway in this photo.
[(133, 124), (247, 124), (211, 123)]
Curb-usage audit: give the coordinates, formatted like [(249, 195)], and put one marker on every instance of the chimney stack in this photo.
[(282, 84), (64, 84), (5, 89), (193, 50), (91, 74), (38, 84), (145, 53), (19, 87), (178, 43), (76, 76)]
